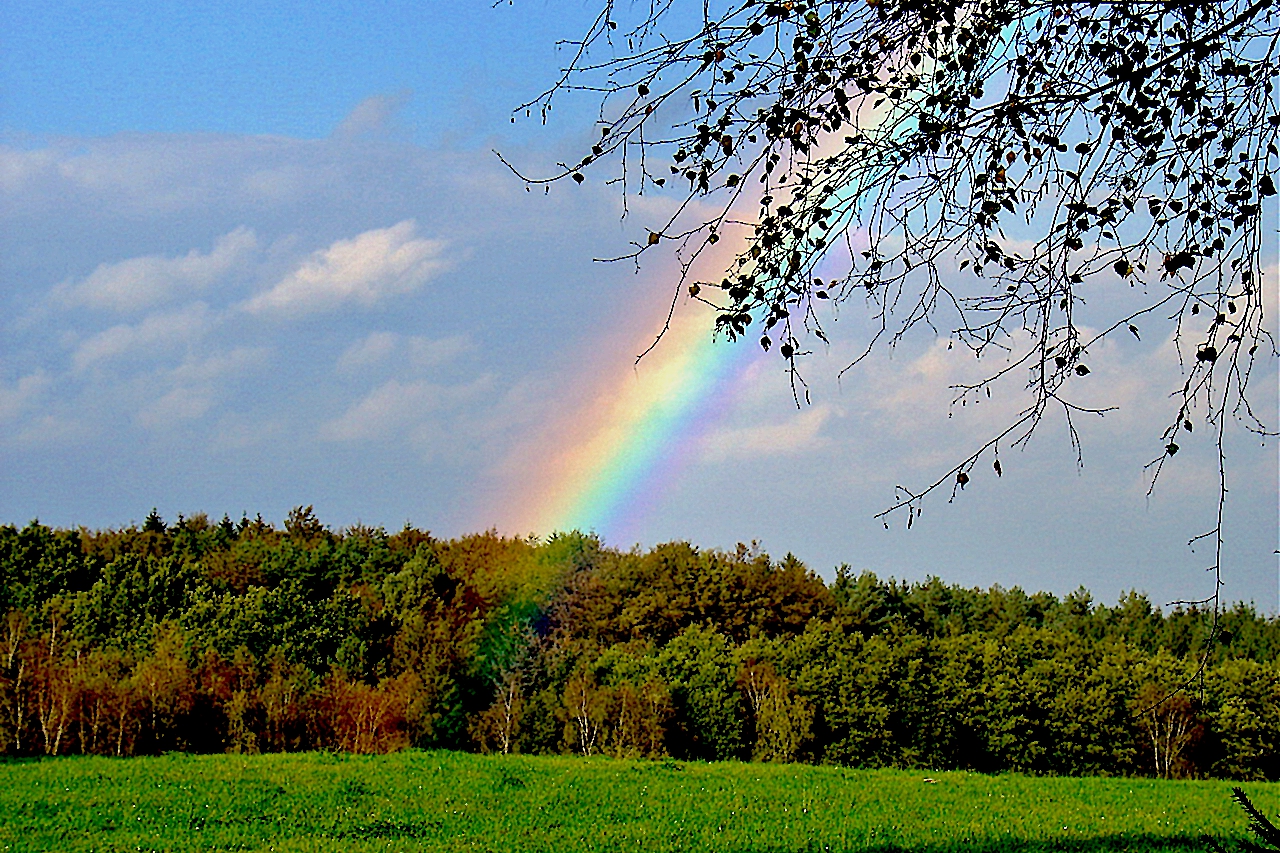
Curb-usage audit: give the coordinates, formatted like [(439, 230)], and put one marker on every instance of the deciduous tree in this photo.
[(1170, 726), (980, 169)]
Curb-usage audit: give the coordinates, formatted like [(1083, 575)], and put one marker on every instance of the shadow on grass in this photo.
[(395, 829), (1130, 843)]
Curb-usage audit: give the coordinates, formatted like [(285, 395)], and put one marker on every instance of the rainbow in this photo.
[(604, 465), (601, 468)]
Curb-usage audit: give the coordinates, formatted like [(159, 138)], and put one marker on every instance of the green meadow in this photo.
[(418, 800)]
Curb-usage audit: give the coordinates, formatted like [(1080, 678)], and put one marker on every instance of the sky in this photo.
[(256, 256)]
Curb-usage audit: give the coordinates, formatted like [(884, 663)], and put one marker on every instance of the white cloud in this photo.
[(368, 351), (50, 430), (138, 283), (797, 434), (148, 174), (416, 409), (219, 364), (195, 386), (384, 411), (371, 116), (416, 351), (365, 269), (157, 331), (22, 394), (180, 404), (429, 352), (18, 167)]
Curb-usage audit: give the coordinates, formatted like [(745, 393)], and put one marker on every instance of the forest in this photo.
[(240, 636)]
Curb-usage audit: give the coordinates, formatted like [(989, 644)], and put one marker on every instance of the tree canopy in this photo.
[(243, 637), (981, 168)]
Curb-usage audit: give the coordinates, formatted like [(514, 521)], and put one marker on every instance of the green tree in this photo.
[(164, 687), (699, 666), (781, 720), (639, 701), (1244, 713)]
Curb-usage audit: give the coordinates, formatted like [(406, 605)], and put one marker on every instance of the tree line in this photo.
[(245, 637)]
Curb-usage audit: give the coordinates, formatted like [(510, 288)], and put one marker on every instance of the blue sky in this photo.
[(260, 255), (293, 69)]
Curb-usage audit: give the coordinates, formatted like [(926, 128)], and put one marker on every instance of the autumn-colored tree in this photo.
[(283, 697), (54, 695), (636, 726), (1170, 727), (105, 701), (363, 718), (227, 709)]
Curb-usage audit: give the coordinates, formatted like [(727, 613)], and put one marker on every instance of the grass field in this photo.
[(452, 801)]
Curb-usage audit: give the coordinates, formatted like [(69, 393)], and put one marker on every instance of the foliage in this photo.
[(1028, 178), (246, 639)]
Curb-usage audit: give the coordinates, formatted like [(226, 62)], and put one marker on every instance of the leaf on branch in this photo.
[(1169, 103), (1177, 261)]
